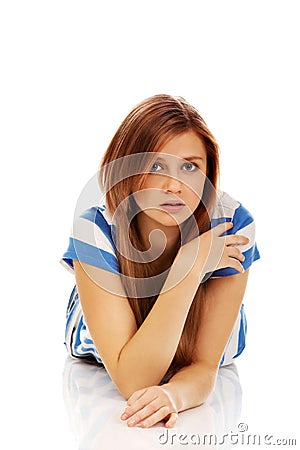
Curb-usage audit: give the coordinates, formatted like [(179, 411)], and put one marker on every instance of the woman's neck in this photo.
[(166, 238)]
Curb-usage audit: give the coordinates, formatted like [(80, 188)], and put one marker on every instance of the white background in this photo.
[(70, 72)]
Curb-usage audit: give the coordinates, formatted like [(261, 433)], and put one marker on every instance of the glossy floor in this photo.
[(94, 406)]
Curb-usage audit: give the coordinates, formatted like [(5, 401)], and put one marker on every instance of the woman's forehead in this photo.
[(185, 146)]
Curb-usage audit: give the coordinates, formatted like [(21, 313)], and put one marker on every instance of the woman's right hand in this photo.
[(206, 253), (218, 252)]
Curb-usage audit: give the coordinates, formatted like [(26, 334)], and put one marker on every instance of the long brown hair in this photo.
[(146, 129)]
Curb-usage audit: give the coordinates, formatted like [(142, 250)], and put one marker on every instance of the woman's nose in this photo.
[(172, 184)]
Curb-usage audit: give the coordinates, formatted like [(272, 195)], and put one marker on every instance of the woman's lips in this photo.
[(172, 207)]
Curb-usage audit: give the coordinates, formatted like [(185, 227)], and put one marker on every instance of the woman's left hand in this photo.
[(149, 406)]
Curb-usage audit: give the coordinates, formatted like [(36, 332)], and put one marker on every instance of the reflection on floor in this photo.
[(94, 407)]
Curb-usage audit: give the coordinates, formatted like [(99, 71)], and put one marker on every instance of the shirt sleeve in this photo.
[(243, 224), (91, 242)]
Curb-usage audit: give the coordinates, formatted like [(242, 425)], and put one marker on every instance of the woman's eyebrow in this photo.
[(193, 157), (188, 158)]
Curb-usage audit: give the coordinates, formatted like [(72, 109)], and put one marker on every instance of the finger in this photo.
[(132, 399), (236, 239), (221, 228), (235, 264), (171, 422), (146, 397), (142, 414), (156, 417), (234, 252), (135, 396)]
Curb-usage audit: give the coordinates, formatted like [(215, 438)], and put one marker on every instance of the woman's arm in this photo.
[(224, 297), (223, 302), (191, 386), (136, 358)]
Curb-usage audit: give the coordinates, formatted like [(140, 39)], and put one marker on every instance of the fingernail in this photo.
[(124, 416), (131, 422)]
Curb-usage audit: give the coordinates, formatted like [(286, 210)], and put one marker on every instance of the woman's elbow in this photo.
[(127, 380), (126, 389), (128, 385)]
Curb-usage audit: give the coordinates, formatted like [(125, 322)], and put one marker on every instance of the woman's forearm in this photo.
[(145, 359)]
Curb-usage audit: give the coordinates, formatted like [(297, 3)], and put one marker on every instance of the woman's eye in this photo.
[(155, 167), (190, 167)]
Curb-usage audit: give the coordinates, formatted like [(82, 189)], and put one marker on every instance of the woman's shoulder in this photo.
[(91, 240), (98, 215), (94, 226)]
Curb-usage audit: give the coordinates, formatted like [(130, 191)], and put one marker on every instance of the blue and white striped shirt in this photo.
[(91, 242)]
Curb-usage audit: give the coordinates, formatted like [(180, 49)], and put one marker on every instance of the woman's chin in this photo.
[(168, 219)]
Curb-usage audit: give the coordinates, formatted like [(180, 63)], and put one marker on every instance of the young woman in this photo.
[(161, 265)]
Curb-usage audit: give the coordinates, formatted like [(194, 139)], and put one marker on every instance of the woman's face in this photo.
[(173, 187)]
